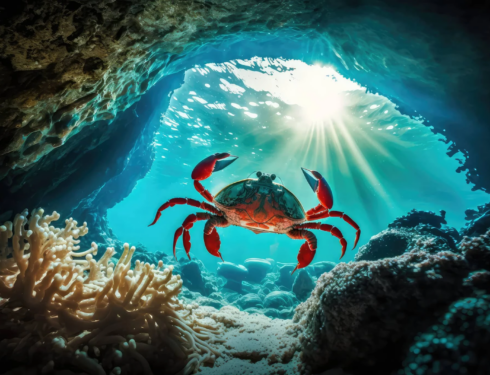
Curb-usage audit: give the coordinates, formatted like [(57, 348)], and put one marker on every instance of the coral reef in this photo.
[(64, 310), (364, 315)]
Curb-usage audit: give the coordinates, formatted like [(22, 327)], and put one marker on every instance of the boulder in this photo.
[(248, 301), (303, 285), (362, 316), (458, 344), (319, 268), (234, 275), (285, 279), (192, 277), (257, 269), (279, 300), (397, 241)]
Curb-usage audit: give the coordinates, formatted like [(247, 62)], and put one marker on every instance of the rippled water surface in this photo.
[(278, 116)]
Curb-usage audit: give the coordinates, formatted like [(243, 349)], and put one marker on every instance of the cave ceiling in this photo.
[(68, 65)]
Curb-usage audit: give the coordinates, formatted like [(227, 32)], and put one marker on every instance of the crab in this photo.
[(260, 205)]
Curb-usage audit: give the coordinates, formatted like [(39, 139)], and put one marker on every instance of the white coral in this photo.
[(65, 308)]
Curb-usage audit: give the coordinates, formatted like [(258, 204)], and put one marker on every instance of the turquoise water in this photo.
[(278, 116)]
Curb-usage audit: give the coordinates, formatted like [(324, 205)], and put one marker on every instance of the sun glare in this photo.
[(318, 92)]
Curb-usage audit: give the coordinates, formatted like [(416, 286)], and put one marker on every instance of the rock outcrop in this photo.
[(363, 315)]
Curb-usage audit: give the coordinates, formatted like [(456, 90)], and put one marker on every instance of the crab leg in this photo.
[(327, 228), (191, 202), (205, 169), (321, 188), (211, 237), (308, 249), (345, 217), (184, 229)]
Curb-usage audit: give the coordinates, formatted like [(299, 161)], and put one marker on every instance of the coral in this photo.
[(363, 315), (457, 345), (62, 309)]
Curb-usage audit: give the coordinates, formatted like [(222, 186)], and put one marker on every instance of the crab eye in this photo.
[(273, 177), (259, 174)]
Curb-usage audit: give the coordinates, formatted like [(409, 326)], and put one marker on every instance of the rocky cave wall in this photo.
[(72, 74)]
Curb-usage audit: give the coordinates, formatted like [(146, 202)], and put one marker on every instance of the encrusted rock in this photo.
[(319, 268), (478, 221), (416, 217), (457, 345), (358, 311), (396, 241)]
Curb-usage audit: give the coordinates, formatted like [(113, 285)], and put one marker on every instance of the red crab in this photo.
[(260, 205)]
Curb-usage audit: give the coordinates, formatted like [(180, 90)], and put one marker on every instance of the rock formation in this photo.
[(363, 315)]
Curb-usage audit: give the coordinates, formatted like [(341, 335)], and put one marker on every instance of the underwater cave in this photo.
[(361, 120)]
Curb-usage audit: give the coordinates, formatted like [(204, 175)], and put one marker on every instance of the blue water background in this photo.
[(277, 116)]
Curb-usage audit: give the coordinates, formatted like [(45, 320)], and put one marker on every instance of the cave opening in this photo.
[(279, 115), (107, 106)]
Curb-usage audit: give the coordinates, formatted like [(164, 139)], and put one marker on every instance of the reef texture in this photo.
[(364, 315), (63, 310), (64, 66), (457, 345)]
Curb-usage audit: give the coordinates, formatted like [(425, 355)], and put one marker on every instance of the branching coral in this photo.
[(62, 309)]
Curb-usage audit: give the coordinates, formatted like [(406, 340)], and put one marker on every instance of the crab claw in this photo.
[(213, 163), (305, 256), (213, 243), (320, 187)]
